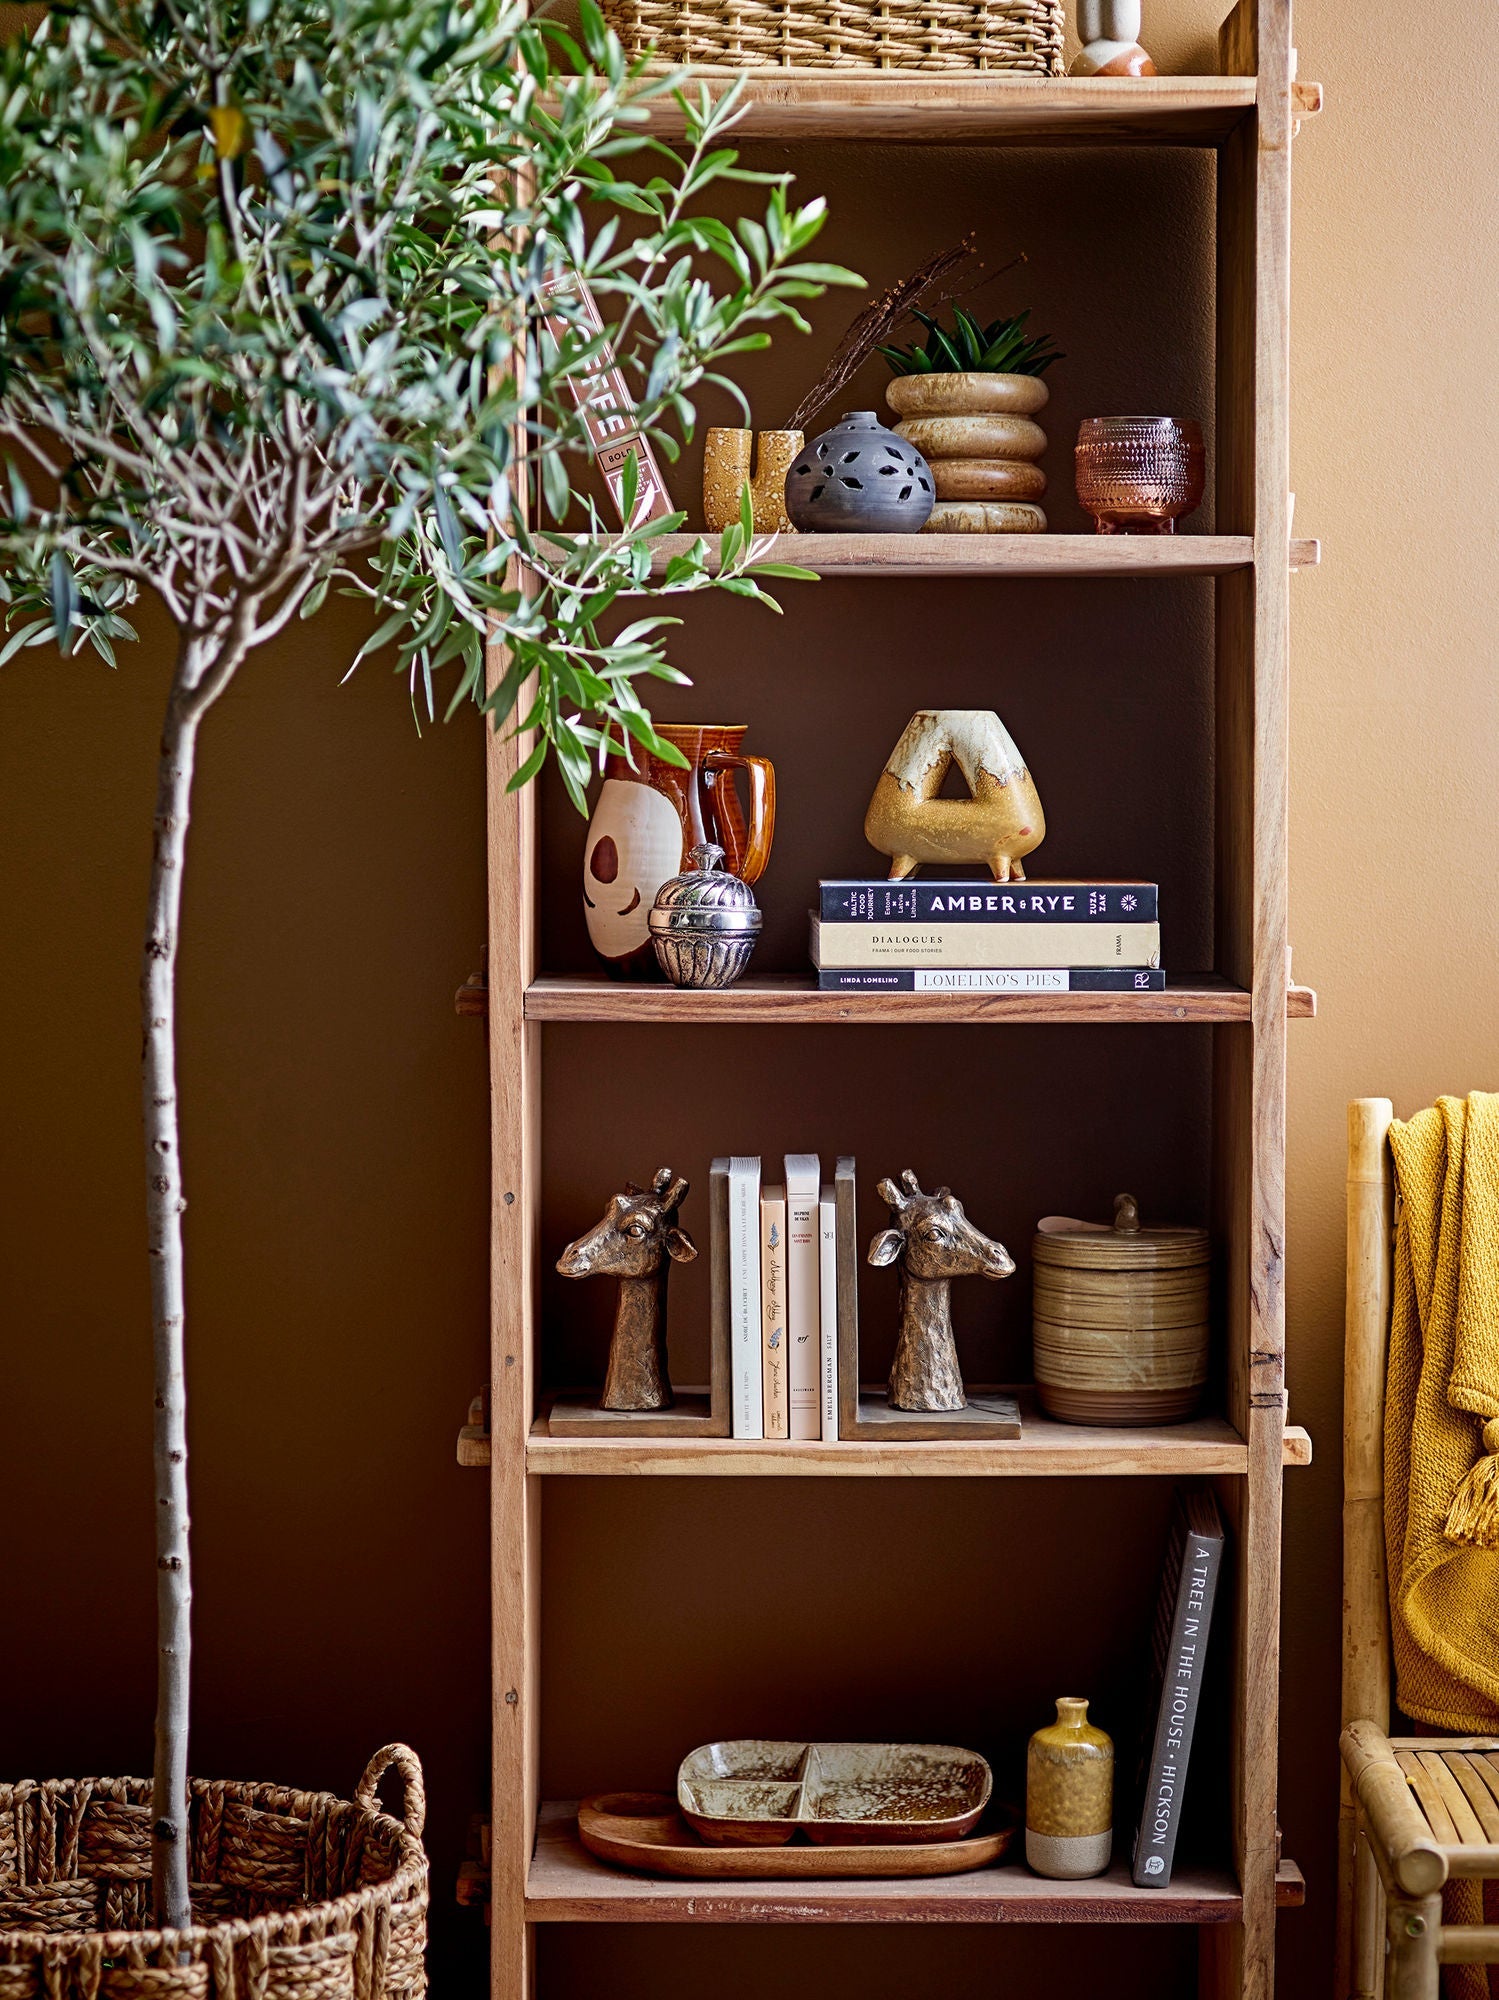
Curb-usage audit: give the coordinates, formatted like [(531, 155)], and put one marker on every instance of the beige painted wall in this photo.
[(336, 1138), (1395, 708)]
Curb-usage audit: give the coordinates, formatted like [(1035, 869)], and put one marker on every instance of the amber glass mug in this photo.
[(648, 817)]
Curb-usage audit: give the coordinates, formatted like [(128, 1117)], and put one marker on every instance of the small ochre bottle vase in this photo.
[(1069, 1796)]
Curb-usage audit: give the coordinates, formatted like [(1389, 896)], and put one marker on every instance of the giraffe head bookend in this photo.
[(933, 1242), (636, 1240)]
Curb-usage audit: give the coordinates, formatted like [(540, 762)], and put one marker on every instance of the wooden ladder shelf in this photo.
[(1221, 599)]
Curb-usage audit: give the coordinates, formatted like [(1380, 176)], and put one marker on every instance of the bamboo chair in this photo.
[(1419, 1809)]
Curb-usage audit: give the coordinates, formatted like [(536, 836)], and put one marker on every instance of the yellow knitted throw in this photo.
[(1441, 1442)]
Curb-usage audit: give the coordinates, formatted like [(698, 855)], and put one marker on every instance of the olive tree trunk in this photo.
[(201, 675)]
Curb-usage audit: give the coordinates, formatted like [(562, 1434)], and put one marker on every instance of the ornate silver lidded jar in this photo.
[(704, 922), (859, 478)]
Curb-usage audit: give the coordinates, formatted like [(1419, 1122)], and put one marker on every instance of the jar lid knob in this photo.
[(705, 856), (1126, 1215)]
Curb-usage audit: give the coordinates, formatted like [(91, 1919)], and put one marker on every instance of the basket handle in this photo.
[(409, 1765)]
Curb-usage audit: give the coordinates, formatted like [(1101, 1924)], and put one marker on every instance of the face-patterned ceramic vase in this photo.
[(650, 816)]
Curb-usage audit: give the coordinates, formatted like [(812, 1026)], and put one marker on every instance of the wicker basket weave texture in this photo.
[(1016, 35), (296, 1895)]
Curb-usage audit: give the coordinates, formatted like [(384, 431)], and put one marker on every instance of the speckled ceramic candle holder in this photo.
[(727, 471)]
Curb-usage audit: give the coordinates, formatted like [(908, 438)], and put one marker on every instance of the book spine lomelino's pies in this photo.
[(971, 979), (987, 902), (1184, 1613), (980, 947)]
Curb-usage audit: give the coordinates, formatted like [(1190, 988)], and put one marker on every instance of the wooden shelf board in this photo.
[(1043, 1450), (567, 1884), (794, 997), (1002, 555), (978, 109)]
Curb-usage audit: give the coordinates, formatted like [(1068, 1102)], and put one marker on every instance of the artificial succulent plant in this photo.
[(1003, 348)]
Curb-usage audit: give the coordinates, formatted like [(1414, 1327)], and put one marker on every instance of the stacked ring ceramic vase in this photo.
[(979, 436)]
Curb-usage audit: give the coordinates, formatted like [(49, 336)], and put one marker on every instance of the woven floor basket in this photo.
[(1023, 35), (297, 1895)]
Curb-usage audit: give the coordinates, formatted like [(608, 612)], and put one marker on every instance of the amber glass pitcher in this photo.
[(649, 816)]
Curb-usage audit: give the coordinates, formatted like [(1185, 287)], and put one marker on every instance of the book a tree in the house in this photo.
[(1179, 1645)]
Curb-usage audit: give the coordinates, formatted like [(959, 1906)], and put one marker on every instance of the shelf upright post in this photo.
[(514, 1230), (1249, 1126), (515, 1497)]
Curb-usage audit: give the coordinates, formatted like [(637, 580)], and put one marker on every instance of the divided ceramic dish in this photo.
[(760, 1794)]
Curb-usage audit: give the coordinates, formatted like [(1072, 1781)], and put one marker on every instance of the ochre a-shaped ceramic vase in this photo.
[(998, 824)]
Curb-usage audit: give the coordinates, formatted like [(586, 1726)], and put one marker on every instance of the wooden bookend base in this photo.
[(984, 1417), (689, 1416)]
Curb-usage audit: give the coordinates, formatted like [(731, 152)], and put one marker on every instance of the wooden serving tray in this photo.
[(644, 1830)]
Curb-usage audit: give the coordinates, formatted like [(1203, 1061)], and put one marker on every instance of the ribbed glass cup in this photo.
[(1139, 475)]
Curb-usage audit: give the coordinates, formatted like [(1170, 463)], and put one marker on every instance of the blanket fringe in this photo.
[(1473, 1517)]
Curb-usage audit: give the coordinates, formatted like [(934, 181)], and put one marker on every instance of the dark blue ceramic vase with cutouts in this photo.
[(859, 479)]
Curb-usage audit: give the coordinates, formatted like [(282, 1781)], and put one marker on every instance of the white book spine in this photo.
[(827, 1245), (745, 1336), (803, 1310)]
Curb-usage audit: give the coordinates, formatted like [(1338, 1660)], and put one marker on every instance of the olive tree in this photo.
[(272, 278)]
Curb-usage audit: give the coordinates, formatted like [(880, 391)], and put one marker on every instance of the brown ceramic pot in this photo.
[(1121, 1319), (649, 816)]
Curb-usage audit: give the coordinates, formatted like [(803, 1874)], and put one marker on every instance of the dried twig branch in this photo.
[(875, 324), (885, 316)]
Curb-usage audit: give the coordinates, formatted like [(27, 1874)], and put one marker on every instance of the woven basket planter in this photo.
[(1017, 35), (299, 1895)]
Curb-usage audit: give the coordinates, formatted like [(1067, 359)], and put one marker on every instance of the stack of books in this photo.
[(975, 937), (783, 1300)]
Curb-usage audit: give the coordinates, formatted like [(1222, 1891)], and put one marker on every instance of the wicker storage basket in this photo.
[(300, 1895), (1023, 35)]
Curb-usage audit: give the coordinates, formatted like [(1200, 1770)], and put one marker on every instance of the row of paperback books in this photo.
[(783, 1300), (1018, 937)]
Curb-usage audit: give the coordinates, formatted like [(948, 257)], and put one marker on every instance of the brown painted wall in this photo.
[(336, 1144)]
